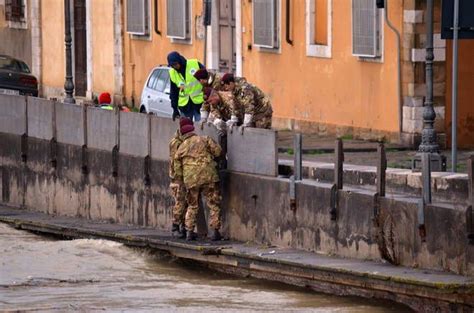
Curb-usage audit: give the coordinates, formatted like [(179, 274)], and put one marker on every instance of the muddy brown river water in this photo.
[(43, 274)]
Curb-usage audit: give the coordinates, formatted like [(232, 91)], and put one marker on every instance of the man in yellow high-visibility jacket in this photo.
[(186, 93)]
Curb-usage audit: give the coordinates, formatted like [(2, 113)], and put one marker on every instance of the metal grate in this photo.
[(137, 17), (265, 23), (364, 28), (15, 10), (177, 19)]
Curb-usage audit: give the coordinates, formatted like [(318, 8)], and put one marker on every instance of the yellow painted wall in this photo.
[(102, 46), (141, 55), (341, 90), (52, 34)]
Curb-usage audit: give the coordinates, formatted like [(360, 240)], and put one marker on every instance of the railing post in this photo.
[(338, 166), (381, 168), (298, 156)]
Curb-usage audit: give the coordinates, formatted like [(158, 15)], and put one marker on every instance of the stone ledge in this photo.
[(446, 186)]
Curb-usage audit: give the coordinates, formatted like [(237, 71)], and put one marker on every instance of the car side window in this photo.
[(153, 78), (160, 83)]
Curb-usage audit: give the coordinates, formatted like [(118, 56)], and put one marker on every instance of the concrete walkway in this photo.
[(420, 289)]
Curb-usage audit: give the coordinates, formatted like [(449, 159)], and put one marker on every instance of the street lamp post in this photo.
[(429, 142), (68, 84)]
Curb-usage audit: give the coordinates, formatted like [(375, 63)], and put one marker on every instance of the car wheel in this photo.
[(142, 109)]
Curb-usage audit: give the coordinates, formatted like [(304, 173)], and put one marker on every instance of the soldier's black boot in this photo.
[(175, 230), (182, 232), (216, 235), (190, 235)]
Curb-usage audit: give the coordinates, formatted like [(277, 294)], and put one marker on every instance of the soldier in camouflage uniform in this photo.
[(194, 163), (178, 191), (221, 104), (207, 80), (255, 104)]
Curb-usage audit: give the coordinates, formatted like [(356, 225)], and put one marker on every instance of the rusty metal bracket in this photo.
[(24, 147), (115, 160), (146, 171), (84, 160), (53, 152), (333, 203)]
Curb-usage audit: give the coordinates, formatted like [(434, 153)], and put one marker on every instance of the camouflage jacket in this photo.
[(175, 142), (194, 160), (221, 104), (250, 99)]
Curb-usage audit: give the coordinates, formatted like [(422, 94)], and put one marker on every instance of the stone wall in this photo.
[(103, 183)]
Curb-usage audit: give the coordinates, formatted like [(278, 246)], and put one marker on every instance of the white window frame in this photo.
[(379, 37), (313, 49), (278, 31), (189, 39), (148, 32)]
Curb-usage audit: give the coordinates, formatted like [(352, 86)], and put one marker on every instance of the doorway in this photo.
[(80, 48), (227, 39)]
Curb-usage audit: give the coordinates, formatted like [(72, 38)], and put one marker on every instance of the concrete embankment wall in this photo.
[(69, 160)]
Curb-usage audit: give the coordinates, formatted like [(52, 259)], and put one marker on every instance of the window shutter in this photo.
[(265, 24), (177, 19), (364, 28), (137, 17), (14, 10)]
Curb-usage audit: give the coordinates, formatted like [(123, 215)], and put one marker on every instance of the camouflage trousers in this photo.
[(178, 191), (213, 199)]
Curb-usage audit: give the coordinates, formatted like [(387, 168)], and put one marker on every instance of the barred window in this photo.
[(178, 22), (365, 28), (137, 17), (15, 10), (265, 23)]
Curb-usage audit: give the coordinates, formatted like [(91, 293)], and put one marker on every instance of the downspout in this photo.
[(399, 70)]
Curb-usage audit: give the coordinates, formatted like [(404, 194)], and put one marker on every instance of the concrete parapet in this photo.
[(101, 129), (134, 137), (70, 124), (162, 130), (252, 151), (13, 117), (41, 118), (207, 130)]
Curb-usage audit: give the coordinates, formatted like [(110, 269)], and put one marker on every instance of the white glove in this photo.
[(220, 124), (210, 118), (204, 115), (233, 121), (247, 120)]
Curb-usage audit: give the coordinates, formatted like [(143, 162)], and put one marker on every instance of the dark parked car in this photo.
[(16, 78)]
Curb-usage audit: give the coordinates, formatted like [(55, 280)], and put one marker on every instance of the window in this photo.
[(366, 29), (160, 83), (178, 19), (265, 23), (138, 17), (153, 78), (15, 10), (319, 28)]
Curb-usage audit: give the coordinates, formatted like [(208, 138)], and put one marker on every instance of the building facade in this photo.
[(332, 67)]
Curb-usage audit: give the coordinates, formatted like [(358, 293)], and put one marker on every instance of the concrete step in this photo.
[(422, 290), (445, 185)]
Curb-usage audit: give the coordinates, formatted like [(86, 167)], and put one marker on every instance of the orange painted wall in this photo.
[(52, 35), (341, 90), (141, 55), (465, 93), (102, 45)]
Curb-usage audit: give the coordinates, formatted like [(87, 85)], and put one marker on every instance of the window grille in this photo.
[(137, 17), (265, 23), (178, 23), (15, 10), (365, 28)]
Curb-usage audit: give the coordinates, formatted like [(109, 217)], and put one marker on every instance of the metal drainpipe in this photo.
[(399, 70)]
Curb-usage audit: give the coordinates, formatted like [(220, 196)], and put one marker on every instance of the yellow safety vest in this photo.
[(192, 87)]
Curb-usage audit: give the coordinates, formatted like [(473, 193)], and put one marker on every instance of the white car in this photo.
[(156, 93)]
